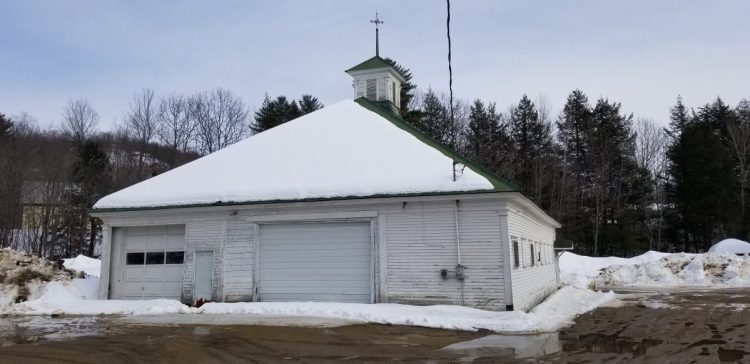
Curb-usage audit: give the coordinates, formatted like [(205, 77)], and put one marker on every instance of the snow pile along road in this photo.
[(580, 271), (22, 274), (557, 311), (732, 246), (77, 297), (680, 270), (82, 263)]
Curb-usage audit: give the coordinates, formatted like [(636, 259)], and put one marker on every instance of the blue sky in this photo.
[(640, 53)]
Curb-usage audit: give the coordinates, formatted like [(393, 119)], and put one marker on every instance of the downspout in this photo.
[(458, 235), (459, 266)]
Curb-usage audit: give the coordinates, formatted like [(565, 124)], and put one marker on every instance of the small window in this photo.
[(371, 89), (175, 257), (532, 254), (134, 259), (516, 260), (394, 97), (155, 258)]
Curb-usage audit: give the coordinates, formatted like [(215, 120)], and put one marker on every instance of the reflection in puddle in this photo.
[(510, 346), (600, 343), (16, 330)]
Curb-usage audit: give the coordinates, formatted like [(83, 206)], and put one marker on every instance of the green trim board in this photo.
[(269, 202), (500, 184)]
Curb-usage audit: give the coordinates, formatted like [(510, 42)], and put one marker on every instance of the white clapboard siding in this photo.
[(203, 235), (421, 240), (415, 238), (531, 284), (239, 262)]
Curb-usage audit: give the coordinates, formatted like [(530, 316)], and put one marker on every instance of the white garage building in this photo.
[(348, 203)]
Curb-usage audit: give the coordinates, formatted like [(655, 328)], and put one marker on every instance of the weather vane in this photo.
[(377, 21)]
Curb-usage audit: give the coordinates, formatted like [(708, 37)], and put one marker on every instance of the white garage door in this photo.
[(153, 263), (315, 262)]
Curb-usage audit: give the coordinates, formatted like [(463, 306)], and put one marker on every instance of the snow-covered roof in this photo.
[(733, 246), (347, 149)]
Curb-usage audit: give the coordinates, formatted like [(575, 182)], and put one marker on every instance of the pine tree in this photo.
[(573, 126), (703, 181), (274, 113), (532, 142), (91, 176), (308, 104), (407, 92), (486, 139), (678, 118), (434, 118), (280, 110)]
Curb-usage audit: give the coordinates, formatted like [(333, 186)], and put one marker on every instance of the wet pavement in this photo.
[(648, 327)]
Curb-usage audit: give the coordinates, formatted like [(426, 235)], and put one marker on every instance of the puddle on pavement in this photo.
[(508, 346), (601, 343), (26, 329)]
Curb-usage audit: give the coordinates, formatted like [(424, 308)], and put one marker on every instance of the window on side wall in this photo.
[(532, 256), (516, 258)]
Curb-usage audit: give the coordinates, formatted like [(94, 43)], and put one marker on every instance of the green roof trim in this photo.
[(500, 184), (372, 63), (268, 202)]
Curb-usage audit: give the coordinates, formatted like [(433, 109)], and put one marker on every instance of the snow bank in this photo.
[(82, 263), (579, 270), (732, 246), (680, 270), (558, 310), (75, 298), (21, 274)]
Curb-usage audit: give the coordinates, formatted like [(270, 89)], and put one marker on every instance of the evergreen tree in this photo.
[(678, 118), (274, 113), (573, 125), (407, 92), (614, 175), (486, 139), (434, 119), (308, 104), (703, 182), (91, 176), (532, 142)]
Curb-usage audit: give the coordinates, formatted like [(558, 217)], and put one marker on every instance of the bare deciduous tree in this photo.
[(175, 127), (79, 120), (650, 145), (738, 135), (140, 123), (220, 117)]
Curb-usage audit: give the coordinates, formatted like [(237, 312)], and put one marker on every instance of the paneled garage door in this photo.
[(152, 262), (315, 262)]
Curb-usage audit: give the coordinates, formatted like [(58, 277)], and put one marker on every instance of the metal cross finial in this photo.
[(377, 21)]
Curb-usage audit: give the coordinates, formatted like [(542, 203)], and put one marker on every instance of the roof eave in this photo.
[(95, 211)]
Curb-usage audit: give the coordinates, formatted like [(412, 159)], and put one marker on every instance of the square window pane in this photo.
[(155, 258), (175, 257), (134, 259)]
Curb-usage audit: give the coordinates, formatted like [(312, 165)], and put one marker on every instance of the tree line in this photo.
[(50, 178), (619, 184)]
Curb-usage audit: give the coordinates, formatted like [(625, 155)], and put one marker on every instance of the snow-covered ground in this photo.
[(654, 269)]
